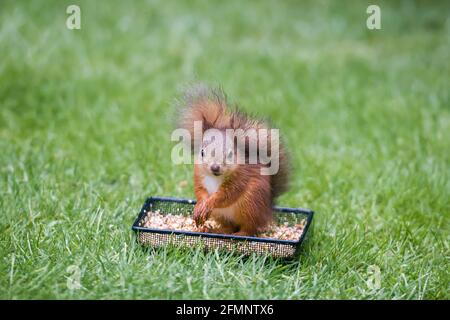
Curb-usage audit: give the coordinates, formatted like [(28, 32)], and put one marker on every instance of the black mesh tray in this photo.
[(240, 244)]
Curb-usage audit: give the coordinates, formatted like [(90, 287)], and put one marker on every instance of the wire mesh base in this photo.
[(158, 240)]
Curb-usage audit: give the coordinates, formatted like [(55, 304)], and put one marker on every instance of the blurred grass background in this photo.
[(85, 123)]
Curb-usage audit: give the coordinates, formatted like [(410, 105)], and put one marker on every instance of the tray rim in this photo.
[(309, 213)]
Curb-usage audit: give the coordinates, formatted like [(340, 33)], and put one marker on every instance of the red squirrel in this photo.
[(236, 195)]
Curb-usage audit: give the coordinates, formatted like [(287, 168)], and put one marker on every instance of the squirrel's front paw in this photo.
[(204, 229), (201, 213)]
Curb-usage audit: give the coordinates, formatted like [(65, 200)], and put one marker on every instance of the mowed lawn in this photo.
[(85, 123)]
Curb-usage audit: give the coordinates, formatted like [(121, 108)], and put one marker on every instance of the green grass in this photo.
[(85, 123)]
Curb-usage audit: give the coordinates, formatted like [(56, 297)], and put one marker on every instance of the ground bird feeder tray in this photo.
[(166, 221)]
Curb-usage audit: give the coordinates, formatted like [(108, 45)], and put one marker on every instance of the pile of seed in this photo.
[(284, 231), (156, 220)]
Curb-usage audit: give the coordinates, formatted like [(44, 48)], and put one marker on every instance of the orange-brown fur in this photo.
[(246, 189), (242, 203)]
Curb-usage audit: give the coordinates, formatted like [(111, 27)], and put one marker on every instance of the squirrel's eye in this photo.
[(203, 153)]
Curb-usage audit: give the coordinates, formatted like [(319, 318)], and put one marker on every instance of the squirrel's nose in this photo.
[(215, 168)]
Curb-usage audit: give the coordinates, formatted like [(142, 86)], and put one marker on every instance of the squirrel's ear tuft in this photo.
[(201, 103), (199, 93)]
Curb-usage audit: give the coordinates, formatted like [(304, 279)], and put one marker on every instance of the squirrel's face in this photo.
[(217, 156)]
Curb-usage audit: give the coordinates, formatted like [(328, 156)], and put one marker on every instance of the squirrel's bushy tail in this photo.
[(201, 103)]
